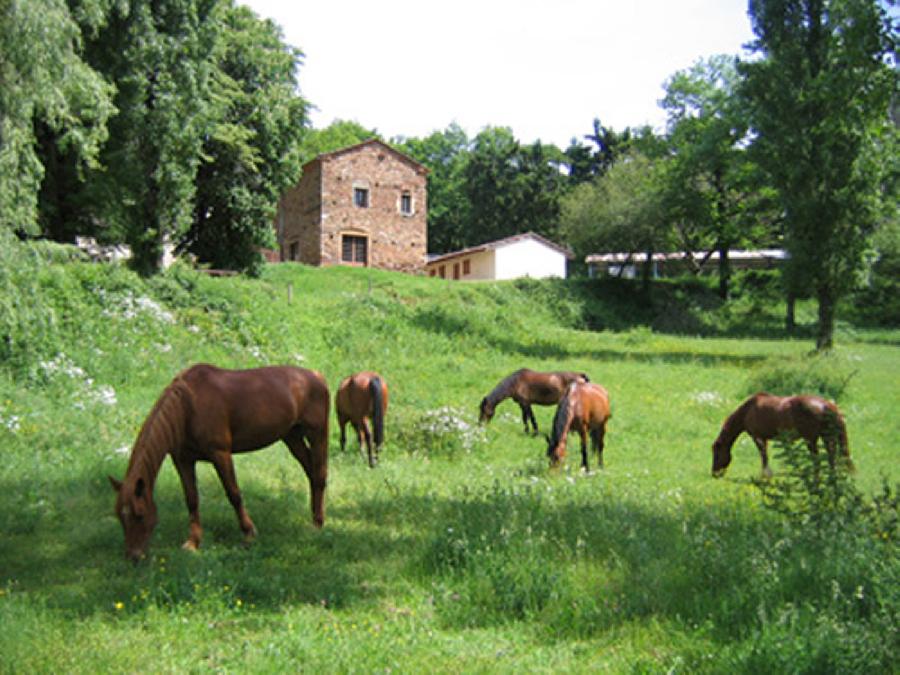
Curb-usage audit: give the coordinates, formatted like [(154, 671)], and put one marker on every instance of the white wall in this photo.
[(529, 258)]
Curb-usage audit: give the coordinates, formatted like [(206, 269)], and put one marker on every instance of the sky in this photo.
[(544, 68)]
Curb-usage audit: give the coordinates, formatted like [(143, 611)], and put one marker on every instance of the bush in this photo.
[(826, 375)]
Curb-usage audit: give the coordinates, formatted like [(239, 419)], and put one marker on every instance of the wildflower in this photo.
[(119, 605)]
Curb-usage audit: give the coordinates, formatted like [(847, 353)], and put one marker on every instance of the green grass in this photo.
[(462, 552)]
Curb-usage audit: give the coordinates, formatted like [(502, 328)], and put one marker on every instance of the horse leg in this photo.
[(366, 432), (310, 449), (188, 476), (524, 408), (534, 425), (584, 453), (598, 435), (221, 459), (763, 444), (342, 423)]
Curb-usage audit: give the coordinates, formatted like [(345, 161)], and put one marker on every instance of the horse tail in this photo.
[(560, 419), (375, 389), (163, 430)]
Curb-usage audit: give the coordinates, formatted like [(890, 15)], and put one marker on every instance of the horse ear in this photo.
[(116, 484)]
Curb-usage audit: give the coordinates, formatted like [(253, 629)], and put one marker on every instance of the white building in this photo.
[(522, 255), (630, 265)]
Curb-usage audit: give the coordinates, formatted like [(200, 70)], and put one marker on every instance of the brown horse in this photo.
[(583, 408), (209, 413), (763, 416), (362, 396), (526, 387)]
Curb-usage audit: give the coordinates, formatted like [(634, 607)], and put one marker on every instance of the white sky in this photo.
[(545, 68)]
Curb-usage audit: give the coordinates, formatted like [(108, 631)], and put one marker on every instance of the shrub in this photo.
[(826, 375)]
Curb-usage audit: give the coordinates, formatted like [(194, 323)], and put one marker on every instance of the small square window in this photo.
[(361, 197), (406, 204)]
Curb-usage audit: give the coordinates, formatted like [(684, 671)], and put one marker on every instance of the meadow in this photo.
[(462, 551)]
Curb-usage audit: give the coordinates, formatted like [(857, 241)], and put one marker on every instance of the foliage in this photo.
[(339, 134), (818, 101), (713, 192), (623, 211), (253, 153), (47, 88), (826, 375)]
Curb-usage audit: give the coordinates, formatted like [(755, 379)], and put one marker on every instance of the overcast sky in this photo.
[(545, 68)]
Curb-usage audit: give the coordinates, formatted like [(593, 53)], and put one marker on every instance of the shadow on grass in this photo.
[(500, 553)]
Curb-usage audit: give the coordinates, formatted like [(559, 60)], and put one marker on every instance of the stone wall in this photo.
[(320, 212)]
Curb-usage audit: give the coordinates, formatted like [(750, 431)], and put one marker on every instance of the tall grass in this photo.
[(463, 551)]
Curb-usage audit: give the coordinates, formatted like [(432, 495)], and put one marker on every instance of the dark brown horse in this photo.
[(583, 408), (360, 397), (209, 413), (763, 416), (526, 387)]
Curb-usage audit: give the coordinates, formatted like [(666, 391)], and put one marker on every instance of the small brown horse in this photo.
[(526, 387), (362, 396), (583, 408), (763, 416), (209, 413)]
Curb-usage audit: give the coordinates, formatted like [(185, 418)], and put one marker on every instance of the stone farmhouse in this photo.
[(364, 205)]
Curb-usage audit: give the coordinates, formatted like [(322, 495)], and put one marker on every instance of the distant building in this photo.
[(630, 265), (522, 255), (364, 205)]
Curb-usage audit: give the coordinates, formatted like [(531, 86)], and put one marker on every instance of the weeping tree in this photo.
[(46, 89), (818, 99)]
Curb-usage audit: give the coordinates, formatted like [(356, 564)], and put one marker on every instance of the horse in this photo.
[(583, 408), (526, 387), (763, 416), (359, 397), (208, 413)]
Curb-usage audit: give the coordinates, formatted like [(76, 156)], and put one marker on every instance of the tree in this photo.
[(585, 162), (621, 211), (253, 151), (445, 153), (339, 134), (818, 100), (714, 192), (511, 189), (45, 86), (160, 56)]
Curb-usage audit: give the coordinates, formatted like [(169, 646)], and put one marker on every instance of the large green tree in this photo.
[(254, 150), (445, 153), (511, 188), (818, 98), (45, 88), (160, 54), (715, 196)]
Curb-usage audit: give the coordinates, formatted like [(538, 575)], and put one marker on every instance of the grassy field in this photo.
[(462, 551)]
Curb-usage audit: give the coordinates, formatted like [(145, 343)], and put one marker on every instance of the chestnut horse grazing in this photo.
[(583, 408), (526, 387), (362, 396), (763, 416), (209, 413)]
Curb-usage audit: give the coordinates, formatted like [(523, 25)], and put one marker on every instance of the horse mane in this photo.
[(734, 423), (501, 391), (163, 430), (560, 419)]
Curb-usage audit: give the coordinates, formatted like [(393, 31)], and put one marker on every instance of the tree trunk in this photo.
[(724, 270), (825, 331), (790, 317)]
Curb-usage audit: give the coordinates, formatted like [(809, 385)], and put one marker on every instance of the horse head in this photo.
[(137, 513), (721, 457), (485, 411)]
